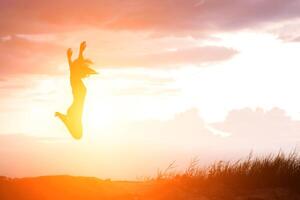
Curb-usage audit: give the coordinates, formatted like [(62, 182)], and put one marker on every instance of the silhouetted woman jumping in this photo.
[(79, 69)]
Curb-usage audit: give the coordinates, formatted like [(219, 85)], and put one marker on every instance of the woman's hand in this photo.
[(69, 53), (82, 46)]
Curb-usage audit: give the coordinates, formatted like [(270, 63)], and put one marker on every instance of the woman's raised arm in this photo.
[(69, 55), (81, 50)]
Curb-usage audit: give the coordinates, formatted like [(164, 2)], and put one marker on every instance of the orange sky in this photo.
[(178, 79)]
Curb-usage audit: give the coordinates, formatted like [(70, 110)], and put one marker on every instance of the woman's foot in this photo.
[(73, 126)]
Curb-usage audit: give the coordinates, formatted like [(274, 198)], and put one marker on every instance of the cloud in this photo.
[(288, 31), (177, 58), (185, 126), (140, 146), (143, 146), (259, 126), (131, 33), (165, 15), (45, 54), (19, 56), (35, 34), (147, 91)]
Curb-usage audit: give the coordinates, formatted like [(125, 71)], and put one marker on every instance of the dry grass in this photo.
[(273, 171), (265, 178)]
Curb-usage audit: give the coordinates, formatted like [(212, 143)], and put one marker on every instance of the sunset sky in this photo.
[(178, 79)]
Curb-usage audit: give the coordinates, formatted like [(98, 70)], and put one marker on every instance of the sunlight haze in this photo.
[(206, 86)]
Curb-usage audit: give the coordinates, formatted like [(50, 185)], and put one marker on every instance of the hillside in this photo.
[(273, 177)]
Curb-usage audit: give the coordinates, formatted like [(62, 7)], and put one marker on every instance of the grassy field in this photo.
[(272, 177)]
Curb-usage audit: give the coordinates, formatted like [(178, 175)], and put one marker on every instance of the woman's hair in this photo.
[(83, 69)]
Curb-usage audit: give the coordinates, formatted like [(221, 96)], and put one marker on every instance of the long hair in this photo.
[(82, 68)]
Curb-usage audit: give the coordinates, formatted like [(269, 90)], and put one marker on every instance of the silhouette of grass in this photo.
[(274, 176), (274, 170)]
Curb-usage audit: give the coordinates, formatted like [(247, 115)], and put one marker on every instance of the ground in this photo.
[(68, 187)]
